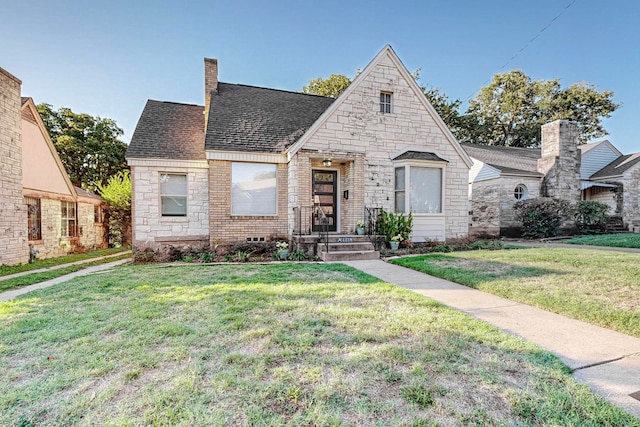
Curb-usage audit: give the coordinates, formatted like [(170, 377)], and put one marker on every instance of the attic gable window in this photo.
[(173, 194), (385, 102)]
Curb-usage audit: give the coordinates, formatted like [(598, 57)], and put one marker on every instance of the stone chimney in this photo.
[(560, 161), (210, 84)]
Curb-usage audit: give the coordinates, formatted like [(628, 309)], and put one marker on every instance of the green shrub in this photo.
[(298, 255), (242, 256), (591, 217), (542, 217), (391, 224)]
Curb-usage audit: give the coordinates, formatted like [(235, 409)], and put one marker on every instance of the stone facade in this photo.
[(13, 214), (631, 200), (92, 236), (560, 161), (150, 228), (365, 140), (492, 212)]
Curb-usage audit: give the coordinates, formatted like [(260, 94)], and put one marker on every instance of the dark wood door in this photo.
[(325, 188)]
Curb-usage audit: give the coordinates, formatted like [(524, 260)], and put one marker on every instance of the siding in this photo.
[(595, 159)]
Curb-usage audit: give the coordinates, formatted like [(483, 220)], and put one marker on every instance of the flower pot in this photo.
[(360, 231), (283, 254), (394, 245)]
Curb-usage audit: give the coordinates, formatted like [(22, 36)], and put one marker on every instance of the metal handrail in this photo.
[(324, 221), (371, 215)]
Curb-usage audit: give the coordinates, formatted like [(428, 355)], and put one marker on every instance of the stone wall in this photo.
[(357, 128), (13, 212), (492, 203), (92, 233), (150, 228), (631, 199)]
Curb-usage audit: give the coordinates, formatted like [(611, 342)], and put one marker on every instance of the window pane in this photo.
[(175, 185), (174, 206), (400, 201), (426, 190), (253, 189), (399, 178)]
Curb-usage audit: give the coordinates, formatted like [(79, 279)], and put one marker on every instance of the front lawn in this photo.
[(6, 270), (270, 345), (598, 287), (33, 278), (616, 240)]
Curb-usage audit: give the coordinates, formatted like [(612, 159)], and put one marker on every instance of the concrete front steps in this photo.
[(346, 248)]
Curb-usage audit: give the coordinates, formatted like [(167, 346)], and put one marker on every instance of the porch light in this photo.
[(326, 163)]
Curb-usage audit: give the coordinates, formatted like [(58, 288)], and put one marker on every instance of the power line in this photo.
[(526, 45)]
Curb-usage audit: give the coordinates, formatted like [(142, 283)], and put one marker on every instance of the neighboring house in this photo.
[(561, 168), (43, 208), (256, 164)]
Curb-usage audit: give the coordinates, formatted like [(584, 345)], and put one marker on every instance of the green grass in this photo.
[(30, 279), (270, 345), (6, 270), (616, 240), (598, 287)]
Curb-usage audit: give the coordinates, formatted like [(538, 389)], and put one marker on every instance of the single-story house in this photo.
[(40, 208), (561, 168), (257, 164)]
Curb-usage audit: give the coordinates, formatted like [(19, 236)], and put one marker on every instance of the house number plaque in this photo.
[(345, 239)]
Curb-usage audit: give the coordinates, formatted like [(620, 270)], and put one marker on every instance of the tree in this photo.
[(117, 193), (332, 86), (511, 109), (89, 147)]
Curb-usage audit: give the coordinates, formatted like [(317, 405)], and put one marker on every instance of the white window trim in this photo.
[(391, 103), (525, 192), (407, 184), (273, 215), (173, 218)]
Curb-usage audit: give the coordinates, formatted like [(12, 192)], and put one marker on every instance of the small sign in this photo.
[(345, 240)]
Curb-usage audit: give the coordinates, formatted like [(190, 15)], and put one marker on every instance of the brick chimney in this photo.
[(560, 161), (210, 84)]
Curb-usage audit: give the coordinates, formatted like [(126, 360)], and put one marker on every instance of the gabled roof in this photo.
[(168, 130), (386, 52), (585, 148), (30, 112), (419, 155), (618, 166), (507, 159), (249, 118)]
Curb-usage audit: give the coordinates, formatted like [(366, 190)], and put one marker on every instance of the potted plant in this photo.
[(282, 249), (360, 228), (395, 242)]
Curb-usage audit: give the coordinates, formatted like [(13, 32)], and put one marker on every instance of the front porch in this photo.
[(312, 234)]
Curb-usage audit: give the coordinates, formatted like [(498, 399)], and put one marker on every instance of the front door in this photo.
[(324, 199)]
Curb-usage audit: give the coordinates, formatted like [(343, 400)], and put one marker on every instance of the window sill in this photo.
[(37, 242), (254, 216)]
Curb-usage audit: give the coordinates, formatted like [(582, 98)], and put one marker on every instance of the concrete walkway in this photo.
[(607, 361), (9, 295)]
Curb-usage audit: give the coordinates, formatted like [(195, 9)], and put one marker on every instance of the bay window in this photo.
[(418, 189)]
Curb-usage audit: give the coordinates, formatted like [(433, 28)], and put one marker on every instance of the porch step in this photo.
[(348, 255), (347, 248)]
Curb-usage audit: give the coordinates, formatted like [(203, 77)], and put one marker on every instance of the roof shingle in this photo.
[(168, 130), (248, 118)]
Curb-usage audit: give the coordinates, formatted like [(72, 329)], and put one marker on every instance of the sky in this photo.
[(107, 58)]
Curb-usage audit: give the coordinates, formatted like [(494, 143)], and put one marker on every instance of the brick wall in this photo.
[(13, 212), (228, 228), (150, 228), (372, 138)]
